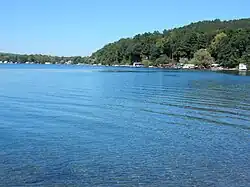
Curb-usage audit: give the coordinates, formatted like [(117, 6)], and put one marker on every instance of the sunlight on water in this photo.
[(105, 126)]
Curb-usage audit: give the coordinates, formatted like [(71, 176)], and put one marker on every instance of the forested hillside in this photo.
[(223, 42), (41, 59), (228, 42)]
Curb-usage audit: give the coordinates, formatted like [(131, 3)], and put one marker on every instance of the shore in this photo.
[(131, 66)]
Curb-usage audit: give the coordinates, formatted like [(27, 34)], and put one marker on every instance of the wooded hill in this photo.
[(223, 42), (228, 42)]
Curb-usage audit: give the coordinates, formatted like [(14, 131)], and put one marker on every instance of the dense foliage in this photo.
[(228, 42), (202, 58), (42, 59), (223, 42)]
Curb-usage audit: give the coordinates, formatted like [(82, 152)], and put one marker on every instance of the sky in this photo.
[(80, 27)]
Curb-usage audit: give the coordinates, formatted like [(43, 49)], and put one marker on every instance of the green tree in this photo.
[(216, 44), (227, 41), (163, 59), (202, 58), (147, 63)]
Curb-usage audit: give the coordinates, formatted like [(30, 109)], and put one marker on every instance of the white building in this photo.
[(215, 65), (69, 62), (242, 67), (188, 66)]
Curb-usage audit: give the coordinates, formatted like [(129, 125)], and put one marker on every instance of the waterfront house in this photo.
[(242, 67), (215, 65), (188, 66), (69, 62)]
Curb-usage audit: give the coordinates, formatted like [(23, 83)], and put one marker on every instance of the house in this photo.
[(69, 62), (215, 65), (242, 67), (138, 64), (188, 66)]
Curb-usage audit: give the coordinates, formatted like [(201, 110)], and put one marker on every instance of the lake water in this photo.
[(100, 126)]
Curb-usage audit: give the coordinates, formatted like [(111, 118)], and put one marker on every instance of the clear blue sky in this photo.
[(79, 27)]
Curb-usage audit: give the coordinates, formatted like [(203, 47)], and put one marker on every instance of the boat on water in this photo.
[(138, 64)]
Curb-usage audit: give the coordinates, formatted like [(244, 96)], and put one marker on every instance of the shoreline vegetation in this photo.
[(214, 45), (131, 66)]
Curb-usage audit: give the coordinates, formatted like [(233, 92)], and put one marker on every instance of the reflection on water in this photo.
[(98, 126), (241, 73)]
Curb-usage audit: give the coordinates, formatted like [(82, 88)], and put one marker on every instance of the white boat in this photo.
[(138, 64)]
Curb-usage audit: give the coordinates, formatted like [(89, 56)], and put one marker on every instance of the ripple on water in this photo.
[(123, 127)]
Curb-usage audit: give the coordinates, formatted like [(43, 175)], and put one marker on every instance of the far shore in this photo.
[(131, 66)]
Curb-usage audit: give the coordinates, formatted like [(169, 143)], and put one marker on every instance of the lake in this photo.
[(108, 126)]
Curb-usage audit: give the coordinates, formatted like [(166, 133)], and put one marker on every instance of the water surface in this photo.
[(99, 126)]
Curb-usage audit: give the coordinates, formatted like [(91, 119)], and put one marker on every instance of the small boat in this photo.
[(138, 64)]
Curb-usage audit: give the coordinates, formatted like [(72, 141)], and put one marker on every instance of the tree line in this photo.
[(224, 42), (227, 42), (42, 59)]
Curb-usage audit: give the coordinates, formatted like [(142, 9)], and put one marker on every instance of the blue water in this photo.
[(100, 126)]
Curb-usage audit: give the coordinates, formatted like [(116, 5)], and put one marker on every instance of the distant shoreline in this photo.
[(131, 66)]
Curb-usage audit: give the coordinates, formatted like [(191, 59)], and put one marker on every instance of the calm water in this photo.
[(97, 126)]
